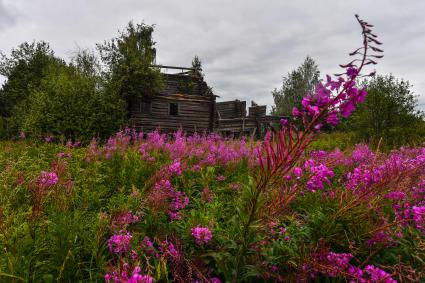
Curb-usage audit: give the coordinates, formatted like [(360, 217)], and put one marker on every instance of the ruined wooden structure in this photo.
[(232, 119), (187, 103)]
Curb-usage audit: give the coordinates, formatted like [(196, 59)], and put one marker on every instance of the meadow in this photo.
[(189, 209)]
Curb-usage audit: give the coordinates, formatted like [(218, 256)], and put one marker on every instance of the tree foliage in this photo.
[(72, 101), (24, 69), (295, 86), (128, 59), (197, 67), (69, 101), (389, 112)]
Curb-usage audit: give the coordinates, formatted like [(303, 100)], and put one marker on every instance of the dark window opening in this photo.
[(145, 107), (173, 109)]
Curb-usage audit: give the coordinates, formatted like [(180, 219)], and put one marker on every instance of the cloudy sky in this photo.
[(246, 46)]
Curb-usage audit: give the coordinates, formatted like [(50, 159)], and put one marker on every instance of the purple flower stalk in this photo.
[(202, 235), (119, 244), (48, 179)]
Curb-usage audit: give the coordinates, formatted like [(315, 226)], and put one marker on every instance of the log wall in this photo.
[(196, 113), (231, 109)]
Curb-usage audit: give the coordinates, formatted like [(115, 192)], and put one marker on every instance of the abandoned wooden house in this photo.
[(188, 103)]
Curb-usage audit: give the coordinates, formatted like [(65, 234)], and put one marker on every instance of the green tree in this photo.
[(295, 86), (71, 101), (197, 67), (389, 112), (128, 60), (24, 70)]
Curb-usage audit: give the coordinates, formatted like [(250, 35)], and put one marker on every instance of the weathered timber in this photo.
[(187, 103)]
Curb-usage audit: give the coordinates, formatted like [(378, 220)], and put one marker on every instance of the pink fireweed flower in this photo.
[(306, 101), (320, 174), (283, 122), (171, 249), (381, 238), (221, 178), (68, 143), (164, 184), (48, 138), (419, 217), (295, 112), (362, 154), (347, 108), (139, 278), (313, 110), (148, 246), (396, 196), (332, 119), (207, 195), (175, 168), (196, 168), (308, 164), (48, 179), (356, 272), (298, 172), (235, 186), (124, 219), (202, 235), (340, 262), (22, 135), (64, 155), (362, 178), (378, 275), (119, 243), (179, 201), (352, 72)]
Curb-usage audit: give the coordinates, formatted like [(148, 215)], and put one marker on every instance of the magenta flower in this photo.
[(284, 122), (179, 201), (175, 168), (306, 102), (48, 179), (119, 243), (352, 72), (346, 109), (48, 138), (202, 235), (332, 119), (419, 217), (379, 275), (296, 112), (235, 186), (340, 262), (320, 174), (221, 178), (298, 172)]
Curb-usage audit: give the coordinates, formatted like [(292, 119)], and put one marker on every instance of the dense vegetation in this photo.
[(46, 96), (174, 210), (389, 114)]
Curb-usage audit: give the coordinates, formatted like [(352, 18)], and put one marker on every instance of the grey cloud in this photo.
[(6, 18), (246, 45)]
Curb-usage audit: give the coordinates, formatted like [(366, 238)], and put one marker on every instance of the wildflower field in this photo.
[(152, 207), (189, 209)]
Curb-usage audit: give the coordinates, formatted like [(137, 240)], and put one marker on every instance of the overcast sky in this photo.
[(245, 46)]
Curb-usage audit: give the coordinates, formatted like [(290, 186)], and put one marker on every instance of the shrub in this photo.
[(69, 105)]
